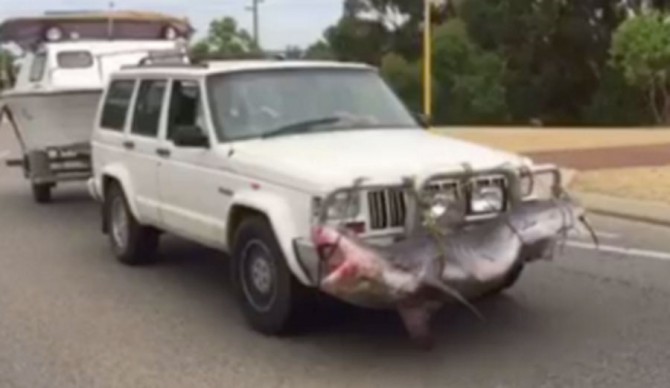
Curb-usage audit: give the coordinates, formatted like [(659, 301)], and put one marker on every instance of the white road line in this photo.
[(601, 235), (608, 235), (643, 253)]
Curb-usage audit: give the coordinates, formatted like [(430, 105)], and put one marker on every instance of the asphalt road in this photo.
[(70, 316)]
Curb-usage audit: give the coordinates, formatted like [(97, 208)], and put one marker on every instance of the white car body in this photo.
[(199, 193)]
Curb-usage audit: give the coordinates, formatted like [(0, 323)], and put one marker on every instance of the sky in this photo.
[(283, 22)]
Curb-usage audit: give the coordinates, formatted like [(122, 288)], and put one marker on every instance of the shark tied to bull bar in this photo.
[(444, 257)]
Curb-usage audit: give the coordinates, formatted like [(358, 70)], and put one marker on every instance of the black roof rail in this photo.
[(167, 66)]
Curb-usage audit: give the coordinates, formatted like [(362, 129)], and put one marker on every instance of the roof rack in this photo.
[(241, 57), (166, 58), (181, 59)]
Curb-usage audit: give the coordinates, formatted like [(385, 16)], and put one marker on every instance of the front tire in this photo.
[(131, 242), (271, 298)]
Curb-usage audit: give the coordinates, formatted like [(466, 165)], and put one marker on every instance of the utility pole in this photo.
[(110, 21), (255, 10)]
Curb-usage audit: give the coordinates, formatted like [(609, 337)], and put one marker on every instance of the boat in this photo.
[(66, 59)]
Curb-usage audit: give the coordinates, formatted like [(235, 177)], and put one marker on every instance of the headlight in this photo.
[(487, 199), (343, 206)]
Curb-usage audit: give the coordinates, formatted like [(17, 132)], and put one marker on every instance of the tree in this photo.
[(555, 51), (617, 103), (320, 50), (357, 40), (469, 87), (7, 71), (641, 49), (224, 38), (370, 29), (293, 52), (405, 78)]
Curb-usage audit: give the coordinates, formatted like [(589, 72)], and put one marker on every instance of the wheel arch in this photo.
[(109, 177), (277, 213)]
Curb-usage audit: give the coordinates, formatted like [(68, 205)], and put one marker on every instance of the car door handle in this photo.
[(129, 145), (163, 152)]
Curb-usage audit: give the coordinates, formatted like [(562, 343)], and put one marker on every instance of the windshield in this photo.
[(288, 101)]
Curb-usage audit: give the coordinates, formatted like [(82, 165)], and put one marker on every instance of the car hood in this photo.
[(325, 161)]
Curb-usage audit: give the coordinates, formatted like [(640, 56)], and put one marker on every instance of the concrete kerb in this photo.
[(630, 209)]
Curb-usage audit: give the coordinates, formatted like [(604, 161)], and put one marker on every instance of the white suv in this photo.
[(242, 155)]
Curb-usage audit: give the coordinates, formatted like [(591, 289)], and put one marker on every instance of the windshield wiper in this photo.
[(301, 127)]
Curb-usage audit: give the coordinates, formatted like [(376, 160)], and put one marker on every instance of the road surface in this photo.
[(70, 316)]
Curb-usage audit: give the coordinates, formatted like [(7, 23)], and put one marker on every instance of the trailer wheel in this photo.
[(42, 192), (132, 243), (271, 298)]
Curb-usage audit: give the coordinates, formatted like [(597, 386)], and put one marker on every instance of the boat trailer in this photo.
[(46, 167)]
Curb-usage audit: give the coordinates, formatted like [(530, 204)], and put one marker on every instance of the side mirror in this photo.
[(423, 120), (190, 136)]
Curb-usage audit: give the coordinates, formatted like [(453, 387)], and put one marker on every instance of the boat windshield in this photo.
[(269, 103)]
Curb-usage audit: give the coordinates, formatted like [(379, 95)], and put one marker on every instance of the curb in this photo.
[(634, 210)]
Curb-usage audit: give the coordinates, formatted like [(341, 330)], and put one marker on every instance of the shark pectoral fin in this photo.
[(458, 297)]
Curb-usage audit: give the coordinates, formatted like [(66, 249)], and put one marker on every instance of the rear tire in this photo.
[(42, 192), (271, 298), (131, 242)]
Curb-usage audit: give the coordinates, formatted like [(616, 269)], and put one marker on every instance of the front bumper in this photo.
[(308, 260)]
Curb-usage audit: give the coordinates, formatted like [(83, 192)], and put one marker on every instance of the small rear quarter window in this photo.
[(74, 60), (117, 102)]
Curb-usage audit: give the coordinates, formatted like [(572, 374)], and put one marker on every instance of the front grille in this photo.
[(387, 208)]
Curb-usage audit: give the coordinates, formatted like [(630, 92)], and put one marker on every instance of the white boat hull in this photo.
[(54, 119)]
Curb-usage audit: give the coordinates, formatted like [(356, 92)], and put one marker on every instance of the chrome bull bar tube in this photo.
[(465, 175)]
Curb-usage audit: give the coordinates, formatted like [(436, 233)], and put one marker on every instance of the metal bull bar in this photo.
[(464, 176)]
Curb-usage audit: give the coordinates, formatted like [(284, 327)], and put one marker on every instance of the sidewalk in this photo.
[(607, 158), (627, 182), (637, 210)]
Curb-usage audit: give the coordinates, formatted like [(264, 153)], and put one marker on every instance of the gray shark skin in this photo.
[(421, 273)]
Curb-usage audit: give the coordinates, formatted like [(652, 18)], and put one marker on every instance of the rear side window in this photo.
[(75, 60), (148, 108), (185, 107), (115, 111)]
